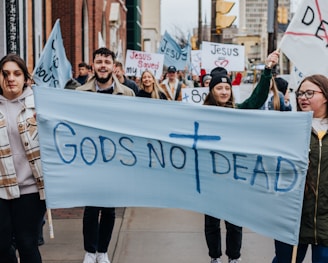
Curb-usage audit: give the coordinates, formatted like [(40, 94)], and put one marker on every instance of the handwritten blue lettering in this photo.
[(239, 166)]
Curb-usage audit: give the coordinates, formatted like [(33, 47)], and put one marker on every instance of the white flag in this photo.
[(101, 42), (305, 41), (53, 69)]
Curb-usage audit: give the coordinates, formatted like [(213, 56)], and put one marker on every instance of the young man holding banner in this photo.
[(98, 222)]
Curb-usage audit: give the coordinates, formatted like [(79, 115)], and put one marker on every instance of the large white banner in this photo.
[(305, 41), (237, 165)]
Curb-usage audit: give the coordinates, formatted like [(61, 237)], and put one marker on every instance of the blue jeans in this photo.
[(213, 238), (21, 218), (97, 233), (284, 253)]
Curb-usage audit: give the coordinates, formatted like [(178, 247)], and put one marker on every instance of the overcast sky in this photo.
[(183, 14)]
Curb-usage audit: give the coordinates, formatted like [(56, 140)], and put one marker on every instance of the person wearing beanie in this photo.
[(218, 70), (220, 94), (219, 78), (172, 86), (206, 80), (276, 99), (282, 85)]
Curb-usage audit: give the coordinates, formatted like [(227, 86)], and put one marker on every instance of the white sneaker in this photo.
[(216, 260), (235, 260), (102, 258), (89, 258)]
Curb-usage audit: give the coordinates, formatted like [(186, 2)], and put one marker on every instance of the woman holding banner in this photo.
[(149, 87), (220, 94), (312, 95), (22, 205)]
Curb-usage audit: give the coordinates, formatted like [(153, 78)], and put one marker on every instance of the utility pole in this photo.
[(272, 25), (214, 35), (200, 24)]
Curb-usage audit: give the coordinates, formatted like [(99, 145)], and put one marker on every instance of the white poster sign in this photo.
[(137, 62), (230, 57)]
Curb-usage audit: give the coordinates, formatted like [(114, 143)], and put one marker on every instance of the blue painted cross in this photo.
[(196, 138), (185, 98)]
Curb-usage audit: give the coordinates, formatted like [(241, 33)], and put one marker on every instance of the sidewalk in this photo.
[(148, 235)]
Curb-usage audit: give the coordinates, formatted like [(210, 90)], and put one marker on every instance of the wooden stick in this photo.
[(270, 63), (294, 254), (51, 228)]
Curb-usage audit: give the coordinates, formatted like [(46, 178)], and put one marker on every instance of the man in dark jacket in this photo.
[(119, 72)]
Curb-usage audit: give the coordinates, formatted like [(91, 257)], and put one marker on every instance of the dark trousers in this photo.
[(98, 224), (213, 238), (284, 253), (21, 218)]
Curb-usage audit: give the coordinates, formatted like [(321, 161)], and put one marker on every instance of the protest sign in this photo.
[(53, 69), (194, 95), (198, 95), (173, 53), (305, 41), (237, 165), (230, 57), (196, 61), (137, 62)]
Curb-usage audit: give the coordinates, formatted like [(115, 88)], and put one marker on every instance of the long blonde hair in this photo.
[(276, 98), (155, 94)]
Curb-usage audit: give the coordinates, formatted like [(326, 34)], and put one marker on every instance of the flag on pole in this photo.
[(53, 69), (173, 53), (305, 41)]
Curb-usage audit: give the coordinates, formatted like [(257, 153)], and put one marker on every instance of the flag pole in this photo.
[(294, 254), (51, 228)]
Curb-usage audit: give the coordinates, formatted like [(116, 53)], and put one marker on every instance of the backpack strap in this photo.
[(177, 93)]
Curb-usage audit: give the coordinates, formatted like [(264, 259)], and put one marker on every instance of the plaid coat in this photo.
[(27, 127)]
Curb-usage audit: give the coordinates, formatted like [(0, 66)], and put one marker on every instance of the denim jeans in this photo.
[(97, 233), (21, 218), (213, 238), (284, 253)]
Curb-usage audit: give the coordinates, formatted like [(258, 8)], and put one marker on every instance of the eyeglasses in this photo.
[(308, 93)]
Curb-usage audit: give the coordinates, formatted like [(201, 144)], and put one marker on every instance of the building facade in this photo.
[(151, 26), (86, 25), (89, 24), (23, 28), (254, 16)]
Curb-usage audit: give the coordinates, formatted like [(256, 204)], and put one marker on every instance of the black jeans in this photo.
[(213, 238), (21, 218), (284, 253), (97, 233)]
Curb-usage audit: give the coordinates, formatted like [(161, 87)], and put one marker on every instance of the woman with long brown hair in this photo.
[(312, 95), (149, 87), (22, 204)]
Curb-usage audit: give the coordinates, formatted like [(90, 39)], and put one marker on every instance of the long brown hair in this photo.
[(210, 100), (155, 94), (276, 98), (11, 57), (322, 82)]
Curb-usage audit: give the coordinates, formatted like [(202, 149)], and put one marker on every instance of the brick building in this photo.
[(85, 26)]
